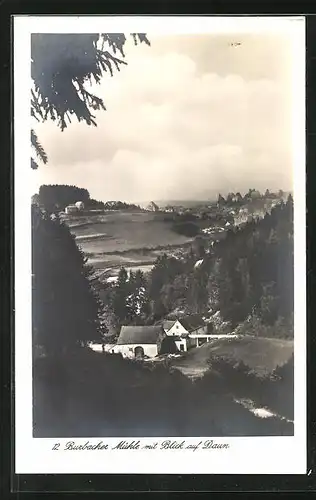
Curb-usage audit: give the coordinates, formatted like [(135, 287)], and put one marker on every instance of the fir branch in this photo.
[(38, 148)]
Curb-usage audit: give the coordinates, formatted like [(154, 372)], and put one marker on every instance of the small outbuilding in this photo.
[(71, 209), (79, 205)]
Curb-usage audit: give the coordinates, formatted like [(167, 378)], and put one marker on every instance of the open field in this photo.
[(119, 232), (130, 239)]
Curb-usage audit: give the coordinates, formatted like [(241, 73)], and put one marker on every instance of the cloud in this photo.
[(172, 131)]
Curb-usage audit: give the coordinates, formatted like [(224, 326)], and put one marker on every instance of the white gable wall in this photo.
[(177, 329)]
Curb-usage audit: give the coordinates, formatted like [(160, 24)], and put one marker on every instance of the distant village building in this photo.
[(169, 209), (231, 197), (254, 194), (111, 204), (237, 198), (79, 205), (243, 211), (71, 209), (187, 331), (140, 341), (153, 207)]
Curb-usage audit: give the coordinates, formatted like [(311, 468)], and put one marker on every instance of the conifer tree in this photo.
[(119, 299), (137, 300), (221, 200), (65, 308)]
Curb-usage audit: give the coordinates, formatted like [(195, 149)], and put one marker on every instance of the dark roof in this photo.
[(168, 323), (175, 337), (140, 334), (192, 322)]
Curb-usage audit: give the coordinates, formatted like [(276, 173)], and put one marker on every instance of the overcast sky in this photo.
[(188, 117)]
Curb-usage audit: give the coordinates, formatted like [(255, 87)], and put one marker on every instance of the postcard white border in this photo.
[(247, 455)]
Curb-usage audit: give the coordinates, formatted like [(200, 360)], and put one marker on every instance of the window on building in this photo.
[(181, 347)]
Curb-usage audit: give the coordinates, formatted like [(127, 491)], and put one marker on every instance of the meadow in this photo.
[(117, 238)]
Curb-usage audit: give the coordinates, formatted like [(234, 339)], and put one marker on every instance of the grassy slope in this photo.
[(131, 239), (261, 355), (253, 384)]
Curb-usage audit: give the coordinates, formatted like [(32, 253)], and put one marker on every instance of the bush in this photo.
[(274, 391), (188, 229), (254, 325), (168, 346)]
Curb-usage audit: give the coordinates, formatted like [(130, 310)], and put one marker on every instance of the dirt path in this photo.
[(261, 412)]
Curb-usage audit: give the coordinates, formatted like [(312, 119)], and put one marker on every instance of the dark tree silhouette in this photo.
[(188, 229), (248, 273), (65, 307), (58, 196), (256, 264), (119, 298), (221, 200), (61, 65)]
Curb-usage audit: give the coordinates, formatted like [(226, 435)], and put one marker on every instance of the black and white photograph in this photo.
[(160, 223)]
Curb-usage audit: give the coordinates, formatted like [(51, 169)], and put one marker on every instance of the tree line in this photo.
[(56, 197), (251, 194), (254, 268)]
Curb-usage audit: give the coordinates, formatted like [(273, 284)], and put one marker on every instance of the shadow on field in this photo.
[(89, 394)]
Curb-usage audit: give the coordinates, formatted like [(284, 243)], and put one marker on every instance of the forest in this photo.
[(248, 277)]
